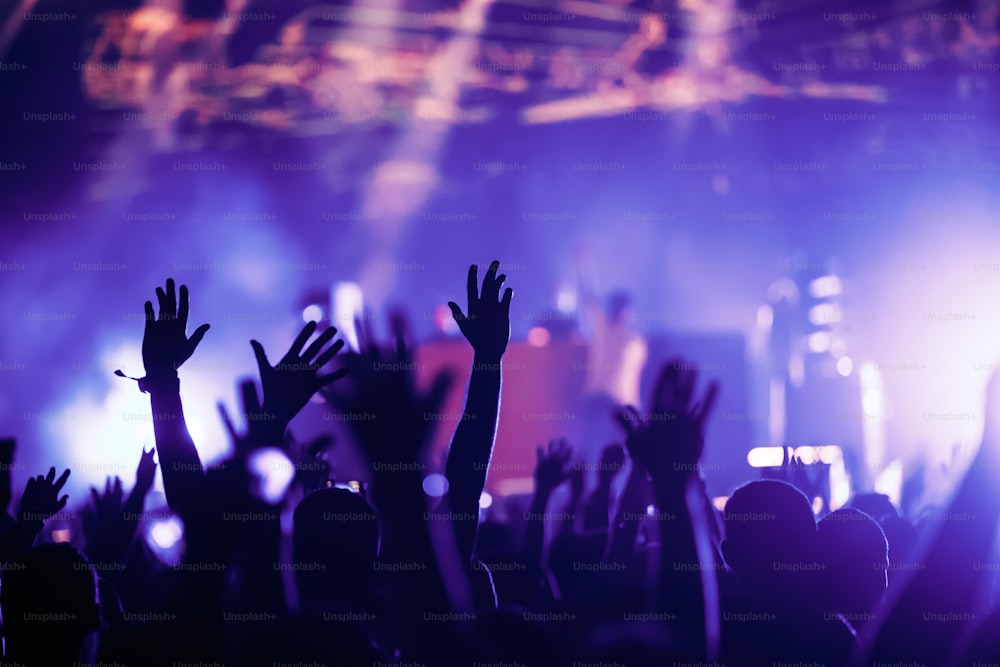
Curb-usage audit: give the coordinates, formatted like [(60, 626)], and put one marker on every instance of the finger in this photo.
[(150, 315), (707, 403), (196, 337), (508, 294), (227, 422), (182, 309), (118, 485), (319, 344), (51, 476), (663, 388), (472, 287), (95, 496), (251, 402), (685, 386), (493, 288), (457, 313), (490, 288), (330, 353), (300, 341), (332, 377), (62, 503), (263, 365), (161, 297), (171, 298)]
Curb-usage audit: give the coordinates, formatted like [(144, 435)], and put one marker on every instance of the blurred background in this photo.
[(798, 197)]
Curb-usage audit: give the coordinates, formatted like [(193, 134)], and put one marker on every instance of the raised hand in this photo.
[(670, 438), (387, 413), (263, 428), (146, 472), (109, 504), (165, 344), (290, 384), (487, 324), (550, 468), (41, 496)]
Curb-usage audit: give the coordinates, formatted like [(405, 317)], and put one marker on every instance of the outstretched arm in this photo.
[(487, 328), (165, 347), (668, 443)]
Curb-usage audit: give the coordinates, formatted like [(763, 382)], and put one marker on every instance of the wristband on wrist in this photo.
[(165, 379)]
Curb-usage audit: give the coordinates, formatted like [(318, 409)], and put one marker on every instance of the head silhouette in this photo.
[(855, 556), (49, 600), (335, 538), (770, 537)]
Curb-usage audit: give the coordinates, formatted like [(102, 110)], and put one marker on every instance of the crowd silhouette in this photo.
[(638, 568)]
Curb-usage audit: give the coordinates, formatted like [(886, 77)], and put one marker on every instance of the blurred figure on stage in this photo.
[(616, 356)]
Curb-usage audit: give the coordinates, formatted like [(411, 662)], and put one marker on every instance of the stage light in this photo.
[(817, 504), (890, 481), (435, 485), (538, 337), (766, 457), (347, 305), (825, 313), (485, 500), (165, 533), (872, 403), (720, 502), (165, 538), (825, 287), (566, 300), (845, 366), (61, 535), (273, 472), (819, 341), (312, 313)]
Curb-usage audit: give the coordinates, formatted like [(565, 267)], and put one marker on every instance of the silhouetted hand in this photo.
[(105, 507), (290, 384), (165, 344), (670, 438), (146, 472), (41, 496), (550, 468), (384, 409), (487, 324), (263, 427)]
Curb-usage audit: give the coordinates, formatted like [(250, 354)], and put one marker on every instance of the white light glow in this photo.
[(566, 300), (825, 313), (825, 287), (312, 313), (273, 471), (347, 305), (845, 366), (165, 533), (765, 457), (819, 341), (435, 485)]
